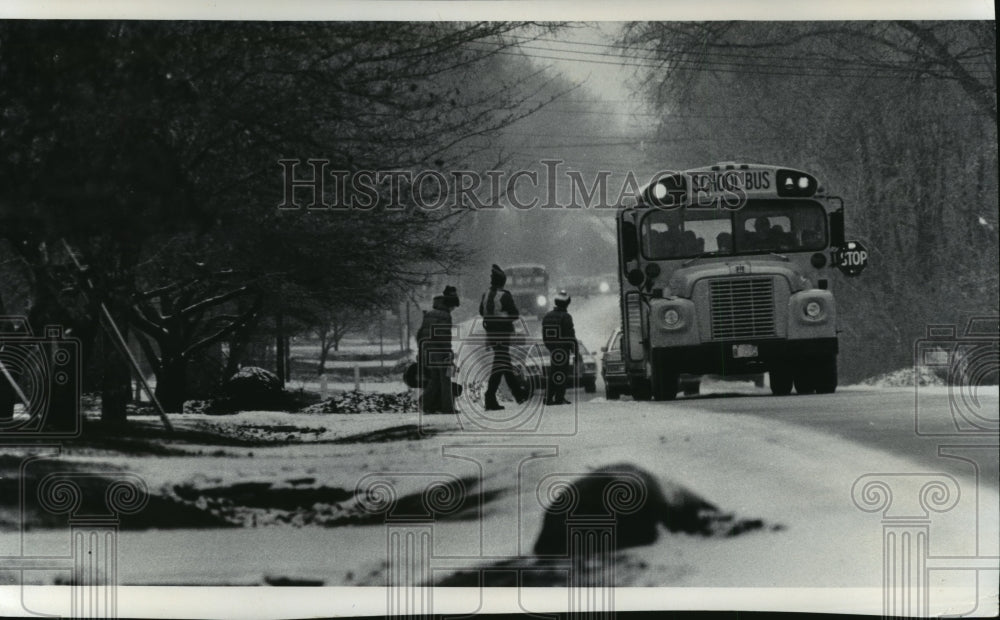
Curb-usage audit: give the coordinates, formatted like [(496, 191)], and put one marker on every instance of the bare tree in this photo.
[(146, 143)]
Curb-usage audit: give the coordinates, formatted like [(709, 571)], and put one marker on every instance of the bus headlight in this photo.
[(540, 300), (813, 313), (671, 318)]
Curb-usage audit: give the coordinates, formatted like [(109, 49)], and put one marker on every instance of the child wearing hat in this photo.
[(559, 336), (499, 313), (436, 355)]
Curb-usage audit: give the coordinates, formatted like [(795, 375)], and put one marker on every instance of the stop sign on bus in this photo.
[(852, 258)]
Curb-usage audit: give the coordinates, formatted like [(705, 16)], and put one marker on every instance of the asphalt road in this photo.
[(918, 424)]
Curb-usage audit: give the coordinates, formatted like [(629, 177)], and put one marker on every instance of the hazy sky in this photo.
[(587, 53)]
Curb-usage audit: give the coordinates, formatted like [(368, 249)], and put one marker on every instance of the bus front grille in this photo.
[(742, 308)]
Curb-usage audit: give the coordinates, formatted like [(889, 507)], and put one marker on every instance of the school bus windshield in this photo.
[(762, 226)]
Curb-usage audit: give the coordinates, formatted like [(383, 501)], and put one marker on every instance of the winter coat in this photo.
[(435, 330), (498, 311), (557, 329)]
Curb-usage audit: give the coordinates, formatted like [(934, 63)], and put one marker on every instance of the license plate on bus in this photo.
[(744, 350)]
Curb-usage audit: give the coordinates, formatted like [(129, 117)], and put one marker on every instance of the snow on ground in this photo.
[(336, 364), (350, 346), (389, 385), (756, 468), (906, 377)]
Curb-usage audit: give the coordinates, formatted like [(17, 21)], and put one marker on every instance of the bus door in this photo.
[(631, 277)]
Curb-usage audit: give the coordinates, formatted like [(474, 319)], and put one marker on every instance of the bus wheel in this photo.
[(826, 375), (805, 378), (611, 393), (781, 381), (665, 385), (641, 389)]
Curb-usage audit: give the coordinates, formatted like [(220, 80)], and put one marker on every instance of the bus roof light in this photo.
[(792, 183), (667, 191)]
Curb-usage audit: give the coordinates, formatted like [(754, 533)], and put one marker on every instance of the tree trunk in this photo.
[(7, 399), (239, 345), (281, 357), (7, 394), (171, 384), (116, 378), (324, 353)]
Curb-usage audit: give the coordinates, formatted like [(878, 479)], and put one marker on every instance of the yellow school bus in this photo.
[(728, 270)]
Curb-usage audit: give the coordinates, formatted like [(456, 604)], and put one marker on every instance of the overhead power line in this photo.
[(829, 68)]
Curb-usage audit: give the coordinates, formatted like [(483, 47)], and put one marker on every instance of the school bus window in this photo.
[(780, 226), (684, 233)]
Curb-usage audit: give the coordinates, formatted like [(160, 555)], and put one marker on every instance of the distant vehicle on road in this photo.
[(538, 360), (588, 286), (613, 372), (528, 284)]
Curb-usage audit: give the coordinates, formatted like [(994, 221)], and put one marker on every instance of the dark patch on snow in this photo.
[(89, 481), (266, 495), (633, 504), (365, 402), (283, 400), (405, 432), (299, 503), (622, 500), (533, 572), (292, 581)]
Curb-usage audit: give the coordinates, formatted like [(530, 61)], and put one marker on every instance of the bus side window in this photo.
[(724, 241), (757, 232), (778, 238), (810, 239), (660, 243), (687, 241)]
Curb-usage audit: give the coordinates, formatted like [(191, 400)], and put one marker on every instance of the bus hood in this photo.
[(682, 281)]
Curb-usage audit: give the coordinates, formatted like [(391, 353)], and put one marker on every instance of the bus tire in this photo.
[(781, 380), (611, 393), (805, 378), (665, 384), (590, 386), (641, 389), (826, 376)]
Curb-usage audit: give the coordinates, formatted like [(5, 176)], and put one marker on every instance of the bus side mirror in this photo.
[(837, 228), (604, 349), (630, 242)]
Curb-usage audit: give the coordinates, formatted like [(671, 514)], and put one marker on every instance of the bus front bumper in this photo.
[(742, 357)]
